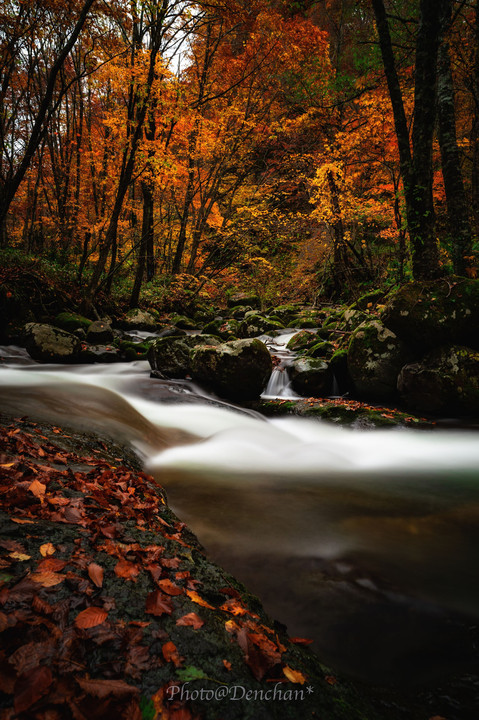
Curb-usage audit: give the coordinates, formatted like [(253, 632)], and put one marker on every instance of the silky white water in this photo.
[(335, 528)]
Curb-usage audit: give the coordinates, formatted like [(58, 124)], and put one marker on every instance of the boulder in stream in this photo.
[(445, 381), (137, 319), (311, 377), (49, 344), (238, 370), (99, 332), (375, 358)]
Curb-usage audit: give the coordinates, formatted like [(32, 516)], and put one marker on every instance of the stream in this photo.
[(365, 541)]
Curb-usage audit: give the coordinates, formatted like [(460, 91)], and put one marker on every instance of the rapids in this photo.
[(365, 541)]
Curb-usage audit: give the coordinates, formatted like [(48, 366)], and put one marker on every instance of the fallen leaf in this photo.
[(300, 641), (171, 654), (190, 673), (91, 617), (47, 549), (127, 570), (331, 680), (102, 688), (158, 604), (170, 588), (30, 687), (294, 676), (47, 578), (234, 607), (19, 556), (95, 573), (7, 465), (38, 489), (227, 664), (193, 595), (192, 620), (21, 521)]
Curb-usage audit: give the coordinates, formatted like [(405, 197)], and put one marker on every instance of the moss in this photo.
[(72, 321)]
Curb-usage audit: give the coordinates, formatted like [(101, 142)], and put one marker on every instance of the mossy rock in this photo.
[(137, 319), (369, 300), (222, 328), (244, 298), (238, 370), (72, 321), (445, 381), (255, 324), (183, 322), (131, 351), (49, 344), (99, 354), (375, 358), (302, 340), (435, 313), (311, 377), (169, 357), (323, 349)]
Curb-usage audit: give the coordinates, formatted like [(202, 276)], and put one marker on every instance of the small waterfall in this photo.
[(279, 384)]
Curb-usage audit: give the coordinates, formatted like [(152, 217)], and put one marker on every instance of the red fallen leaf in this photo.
[(90, 617), (330, 679), (300, 641), (102, 688), (171, 654), (294, 676), (4, 622), (170, 588), (127, 570), (171, 562), (192, 620), (193, 595), (109, 531), (95, 573), (258, 661), (155, 571), (51, 563), (158, 604), (231, 592), (47, 578), (227, 664), (42, 606), (30, 687)]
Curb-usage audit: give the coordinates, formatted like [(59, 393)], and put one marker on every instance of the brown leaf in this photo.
[(52, 563), (158, 604), (91, 617), (171, 654), (192, 620), (193, 595), (47, 549), (300, 641), (170, 588), (227, 664), (31, 687), (127, 570), (234, 607), (95, 573), (102, 688), (47, 578), (294, 676)]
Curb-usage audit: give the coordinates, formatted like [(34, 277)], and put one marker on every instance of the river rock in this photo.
[(435, 313), (445, 381), (137, 319), (257, 324), (302, 340), (375, 358), (311, 377), (49, 344), (99, 354), (99, 333), (238, 370), (169, 357), (72, 321), (225, 329), (244, 298)]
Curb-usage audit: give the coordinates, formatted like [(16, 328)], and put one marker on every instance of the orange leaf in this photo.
[(331, 680), (300, 641), (234, 607), (47, 578), (171, 654), (95, 573), (91, 617), (170, 588), (191, 619), (47, 549), (38, 489), (193, 595), (21, 521), (19, 556), (126, 570), (294, 675), (227, 664), (7, 465)]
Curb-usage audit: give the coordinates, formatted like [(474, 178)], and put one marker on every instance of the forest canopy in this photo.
[(299, 149)]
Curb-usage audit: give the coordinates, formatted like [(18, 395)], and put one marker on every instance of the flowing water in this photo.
[(365, 541)]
